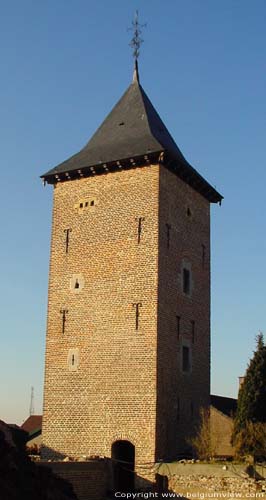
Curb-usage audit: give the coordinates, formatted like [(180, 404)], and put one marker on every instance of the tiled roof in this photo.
[(32, 424)]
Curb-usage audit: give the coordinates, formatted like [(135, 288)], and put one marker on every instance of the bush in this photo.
[(202, 443), (251, 440)]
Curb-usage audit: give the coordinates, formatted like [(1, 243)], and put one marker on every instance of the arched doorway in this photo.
[(123, 455)]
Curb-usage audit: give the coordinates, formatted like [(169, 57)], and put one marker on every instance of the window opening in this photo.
[(168, 228), (178, 318), (186, 281), (193, 331), (67, 231), (140, 220), (73, 359), (64, 313), (185, 359)]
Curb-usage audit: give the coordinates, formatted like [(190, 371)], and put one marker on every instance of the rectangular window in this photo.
[(186, 281), (193, 331), (185, 359), (178, 318)]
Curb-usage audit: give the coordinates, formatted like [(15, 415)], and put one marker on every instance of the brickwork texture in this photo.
[(119, 318)]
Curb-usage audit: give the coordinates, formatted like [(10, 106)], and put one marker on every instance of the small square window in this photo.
[(186, 281), (185, 359)]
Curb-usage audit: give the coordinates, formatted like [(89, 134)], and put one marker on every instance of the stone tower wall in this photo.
[(105, 380), (182, 393), (100, 376)]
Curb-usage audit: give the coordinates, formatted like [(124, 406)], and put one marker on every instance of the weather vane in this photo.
[(136, 40)]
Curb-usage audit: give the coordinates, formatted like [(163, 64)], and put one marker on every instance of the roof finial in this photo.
[(135, 43)]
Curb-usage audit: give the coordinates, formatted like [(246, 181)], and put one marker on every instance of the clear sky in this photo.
[(64, 64)]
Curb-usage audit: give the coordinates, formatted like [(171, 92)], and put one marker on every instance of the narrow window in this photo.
[(64, 313), (73, 359), (67, 231), (188, 212), (168, 228), (92, 203), (77, 283), (186, 281), (86, 204), (193, 331), (178, 318), (140, 220), (81, 205), (185, 359)]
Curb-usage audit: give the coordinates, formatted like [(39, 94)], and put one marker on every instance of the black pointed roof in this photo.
[(132, 130)]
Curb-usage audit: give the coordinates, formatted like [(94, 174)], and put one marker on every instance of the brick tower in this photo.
[(128, 332)]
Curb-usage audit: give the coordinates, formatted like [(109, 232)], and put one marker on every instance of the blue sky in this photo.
[(64, 64)]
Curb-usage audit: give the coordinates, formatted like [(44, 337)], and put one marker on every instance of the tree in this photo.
[(251, 404)]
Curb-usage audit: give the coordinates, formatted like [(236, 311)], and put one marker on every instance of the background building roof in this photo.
[(225, 405), (32, 424)]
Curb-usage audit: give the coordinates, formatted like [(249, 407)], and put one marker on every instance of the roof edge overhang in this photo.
[(191, 177), (182, 169)]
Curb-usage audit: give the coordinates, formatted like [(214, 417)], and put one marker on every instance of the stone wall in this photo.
[(217, 480), (221, 431), (88, 479)]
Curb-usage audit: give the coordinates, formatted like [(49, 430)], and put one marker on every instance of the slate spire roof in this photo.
[(132, 131)]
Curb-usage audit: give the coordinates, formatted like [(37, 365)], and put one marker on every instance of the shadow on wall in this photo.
[(20, 478), (146, 489), (51, 454), (108, 478)]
